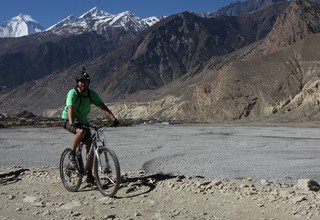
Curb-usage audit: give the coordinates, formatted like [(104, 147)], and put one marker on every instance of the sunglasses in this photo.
[(84, 81)]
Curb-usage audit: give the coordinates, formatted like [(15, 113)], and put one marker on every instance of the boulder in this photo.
[(26, 114), (308, 185)]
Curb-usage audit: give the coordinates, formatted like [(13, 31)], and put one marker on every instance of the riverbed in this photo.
[(282, 153)]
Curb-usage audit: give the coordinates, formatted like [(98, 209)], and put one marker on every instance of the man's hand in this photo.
[(115, 123)]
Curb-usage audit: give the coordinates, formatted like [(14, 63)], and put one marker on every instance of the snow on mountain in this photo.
[(68, 20), (95, 13), (152, 20), (21, 25), (126, 20), (99, 21), (93, 20)]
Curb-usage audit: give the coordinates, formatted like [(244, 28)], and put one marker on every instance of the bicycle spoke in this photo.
[(71, 179), (107, 172)]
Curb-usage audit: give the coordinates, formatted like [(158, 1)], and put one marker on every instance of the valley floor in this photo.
[(231, 172)]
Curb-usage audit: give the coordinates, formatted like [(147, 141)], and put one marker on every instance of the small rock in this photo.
[(46, 212), (30, 199), (105, 201), (11, 197), (40, 204), (297, 199), (243, 186), (308, 185), (286, 194), (216, 182), (264, 182), (76, 214), (71, 205), (110, 216), (137, 214)]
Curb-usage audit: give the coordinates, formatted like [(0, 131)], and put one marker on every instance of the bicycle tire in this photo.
[(108, 182), (71, 180)]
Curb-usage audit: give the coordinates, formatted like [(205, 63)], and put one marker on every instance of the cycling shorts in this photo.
[(72, 128)]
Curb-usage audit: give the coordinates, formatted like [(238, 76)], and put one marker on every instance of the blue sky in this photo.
[(49, 12)]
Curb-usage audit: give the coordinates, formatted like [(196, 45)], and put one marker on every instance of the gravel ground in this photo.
[(39, 194), (171, 172)]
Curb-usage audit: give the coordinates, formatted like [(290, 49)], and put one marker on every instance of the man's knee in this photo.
[(81, 132)]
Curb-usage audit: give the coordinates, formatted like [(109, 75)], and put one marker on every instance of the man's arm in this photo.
[(108, 112), (70, 114)]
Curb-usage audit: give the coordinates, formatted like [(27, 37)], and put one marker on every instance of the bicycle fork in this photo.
[(100, 167)]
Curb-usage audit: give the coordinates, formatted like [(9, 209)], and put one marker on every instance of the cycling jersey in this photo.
[(81, 104)]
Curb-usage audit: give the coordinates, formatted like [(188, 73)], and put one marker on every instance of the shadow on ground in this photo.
[(136, 186), (11, 177), (132, 186)]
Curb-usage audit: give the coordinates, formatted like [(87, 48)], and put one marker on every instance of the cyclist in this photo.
[(75, 118)]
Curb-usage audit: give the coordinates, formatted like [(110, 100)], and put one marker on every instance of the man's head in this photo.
[(83, 80)]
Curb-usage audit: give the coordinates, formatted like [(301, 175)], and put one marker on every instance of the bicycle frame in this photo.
[(95, 137)]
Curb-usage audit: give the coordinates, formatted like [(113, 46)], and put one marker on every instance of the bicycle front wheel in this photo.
[(71, 179), (107, 171)]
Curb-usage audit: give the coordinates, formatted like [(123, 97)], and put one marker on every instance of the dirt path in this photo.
[(39, 194)]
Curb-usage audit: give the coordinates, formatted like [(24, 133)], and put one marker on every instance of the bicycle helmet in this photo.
[(83, 75)]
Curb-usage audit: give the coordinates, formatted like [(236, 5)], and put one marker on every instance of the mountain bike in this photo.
[(106, 168)]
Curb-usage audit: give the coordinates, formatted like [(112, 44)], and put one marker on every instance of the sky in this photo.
[(50, 12)]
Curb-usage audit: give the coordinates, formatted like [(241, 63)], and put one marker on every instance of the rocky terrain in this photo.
[(38, 193)]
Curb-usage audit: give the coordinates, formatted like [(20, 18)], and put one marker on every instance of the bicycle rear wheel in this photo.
[(71, 179), (107, 171)]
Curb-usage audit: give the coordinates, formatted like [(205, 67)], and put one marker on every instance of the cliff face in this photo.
[(277, 81), (299, 20)]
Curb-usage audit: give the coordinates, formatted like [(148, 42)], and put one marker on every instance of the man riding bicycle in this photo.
[(75, 117)]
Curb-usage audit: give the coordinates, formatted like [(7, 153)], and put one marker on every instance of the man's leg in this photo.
[(79, 134), (90, 177), (89, 157)]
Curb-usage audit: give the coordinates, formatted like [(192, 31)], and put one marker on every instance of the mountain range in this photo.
[(260, 64), (93, 20)]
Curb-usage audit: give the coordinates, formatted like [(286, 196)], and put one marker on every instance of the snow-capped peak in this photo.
[(23, 17), (100, 22), (126, 13), (21, 25), (152, 20), (68, 20), (94, 13)]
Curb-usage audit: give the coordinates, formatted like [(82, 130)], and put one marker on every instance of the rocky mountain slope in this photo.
[(245, 7), (68, 42), (271, 80), (32, 57), (256, 67), (168, 50)]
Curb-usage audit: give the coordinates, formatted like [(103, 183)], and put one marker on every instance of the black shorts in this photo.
[(72, 128)]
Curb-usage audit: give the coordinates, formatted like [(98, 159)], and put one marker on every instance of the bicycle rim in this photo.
[(71, 179), (107, 172)]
